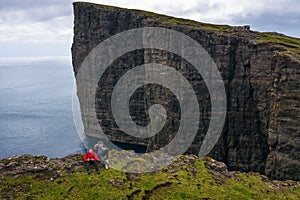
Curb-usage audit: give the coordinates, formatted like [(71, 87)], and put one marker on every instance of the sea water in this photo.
[(36, 107)]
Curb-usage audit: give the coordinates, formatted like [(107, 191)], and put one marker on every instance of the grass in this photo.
[(193, 181), (290, 43), (167, 19)]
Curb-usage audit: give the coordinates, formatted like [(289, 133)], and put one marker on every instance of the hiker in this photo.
[(102, 153), (91, 158)]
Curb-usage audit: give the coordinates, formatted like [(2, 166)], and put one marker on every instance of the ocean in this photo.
[(36, 107)]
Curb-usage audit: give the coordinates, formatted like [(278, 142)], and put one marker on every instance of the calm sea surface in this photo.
[(36, 107)]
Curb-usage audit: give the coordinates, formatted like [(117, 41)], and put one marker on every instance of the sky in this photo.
[(44, 28)]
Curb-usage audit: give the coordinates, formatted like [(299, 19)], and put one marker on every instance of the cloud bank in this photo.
[(44, 24)]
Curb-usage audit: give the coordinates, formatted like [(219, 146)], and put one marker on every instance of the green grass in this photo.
[(167, 19), (290, 43), (191, 182), (185, 22), (195, 24)]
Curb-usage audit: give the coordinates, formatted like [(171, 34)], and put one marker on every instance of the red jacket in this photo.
[(90, 156)]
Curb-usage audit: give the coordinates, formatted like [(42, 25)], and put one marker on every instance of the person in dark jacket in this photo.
[(102, 152), (91, 158)]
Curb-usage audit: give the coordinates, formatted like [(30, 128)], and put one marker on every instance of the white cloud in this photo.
[(44, 24), (213, 11), (58, 29), (50, 21), (263, 15)]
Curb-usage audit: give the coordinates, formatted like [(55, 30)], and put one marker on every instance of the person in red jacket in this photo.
[(91, 158)]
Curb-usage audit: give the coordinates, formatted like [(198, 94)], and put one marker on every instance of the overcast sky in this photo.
[(45, 27)]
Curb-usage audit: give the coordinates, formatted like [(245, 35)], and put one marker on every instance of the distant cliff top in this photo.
[(290, 45)]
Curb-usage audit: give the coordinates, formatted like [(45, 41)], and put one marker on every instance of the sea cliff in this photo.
[(260, 72)]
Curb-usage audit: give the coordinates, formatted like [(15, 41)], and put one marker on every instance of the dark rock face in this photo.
[(261, 131)]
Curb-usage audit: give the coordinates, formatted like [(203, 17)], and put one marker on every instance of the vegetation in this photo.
[(292, 45), (169, 19), (189, 181), (289, 43)]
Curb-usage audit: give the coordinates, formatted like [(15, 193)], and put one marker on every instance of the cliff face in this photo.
[(260, 73)]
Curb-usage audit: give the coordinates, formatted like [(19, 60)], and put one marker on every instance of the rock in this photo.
[(42, 165), (59, 174), (215, 165), (129, 161), (261, 78), (218, 169), (12, 164), (116, 182)]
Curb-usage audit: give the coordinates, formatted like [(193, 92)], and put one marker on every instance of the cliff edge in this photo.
[(189, 177)]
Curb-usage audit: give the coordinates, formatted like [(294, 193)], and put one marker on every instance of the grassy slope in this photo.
[(292, 45), (193, 181)]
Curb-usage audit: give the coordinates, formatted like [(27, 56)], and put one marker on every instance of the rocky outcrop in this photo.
[(42, 166), (260, 73), (39, 177)]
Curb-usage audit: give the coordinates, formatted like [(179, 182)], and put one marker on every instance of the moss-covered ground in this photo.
[(290, 43), (193, 181)]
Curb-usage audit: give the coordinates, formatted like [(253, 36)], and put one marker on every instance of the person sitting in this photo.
[(102, 153), (91, 158)]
